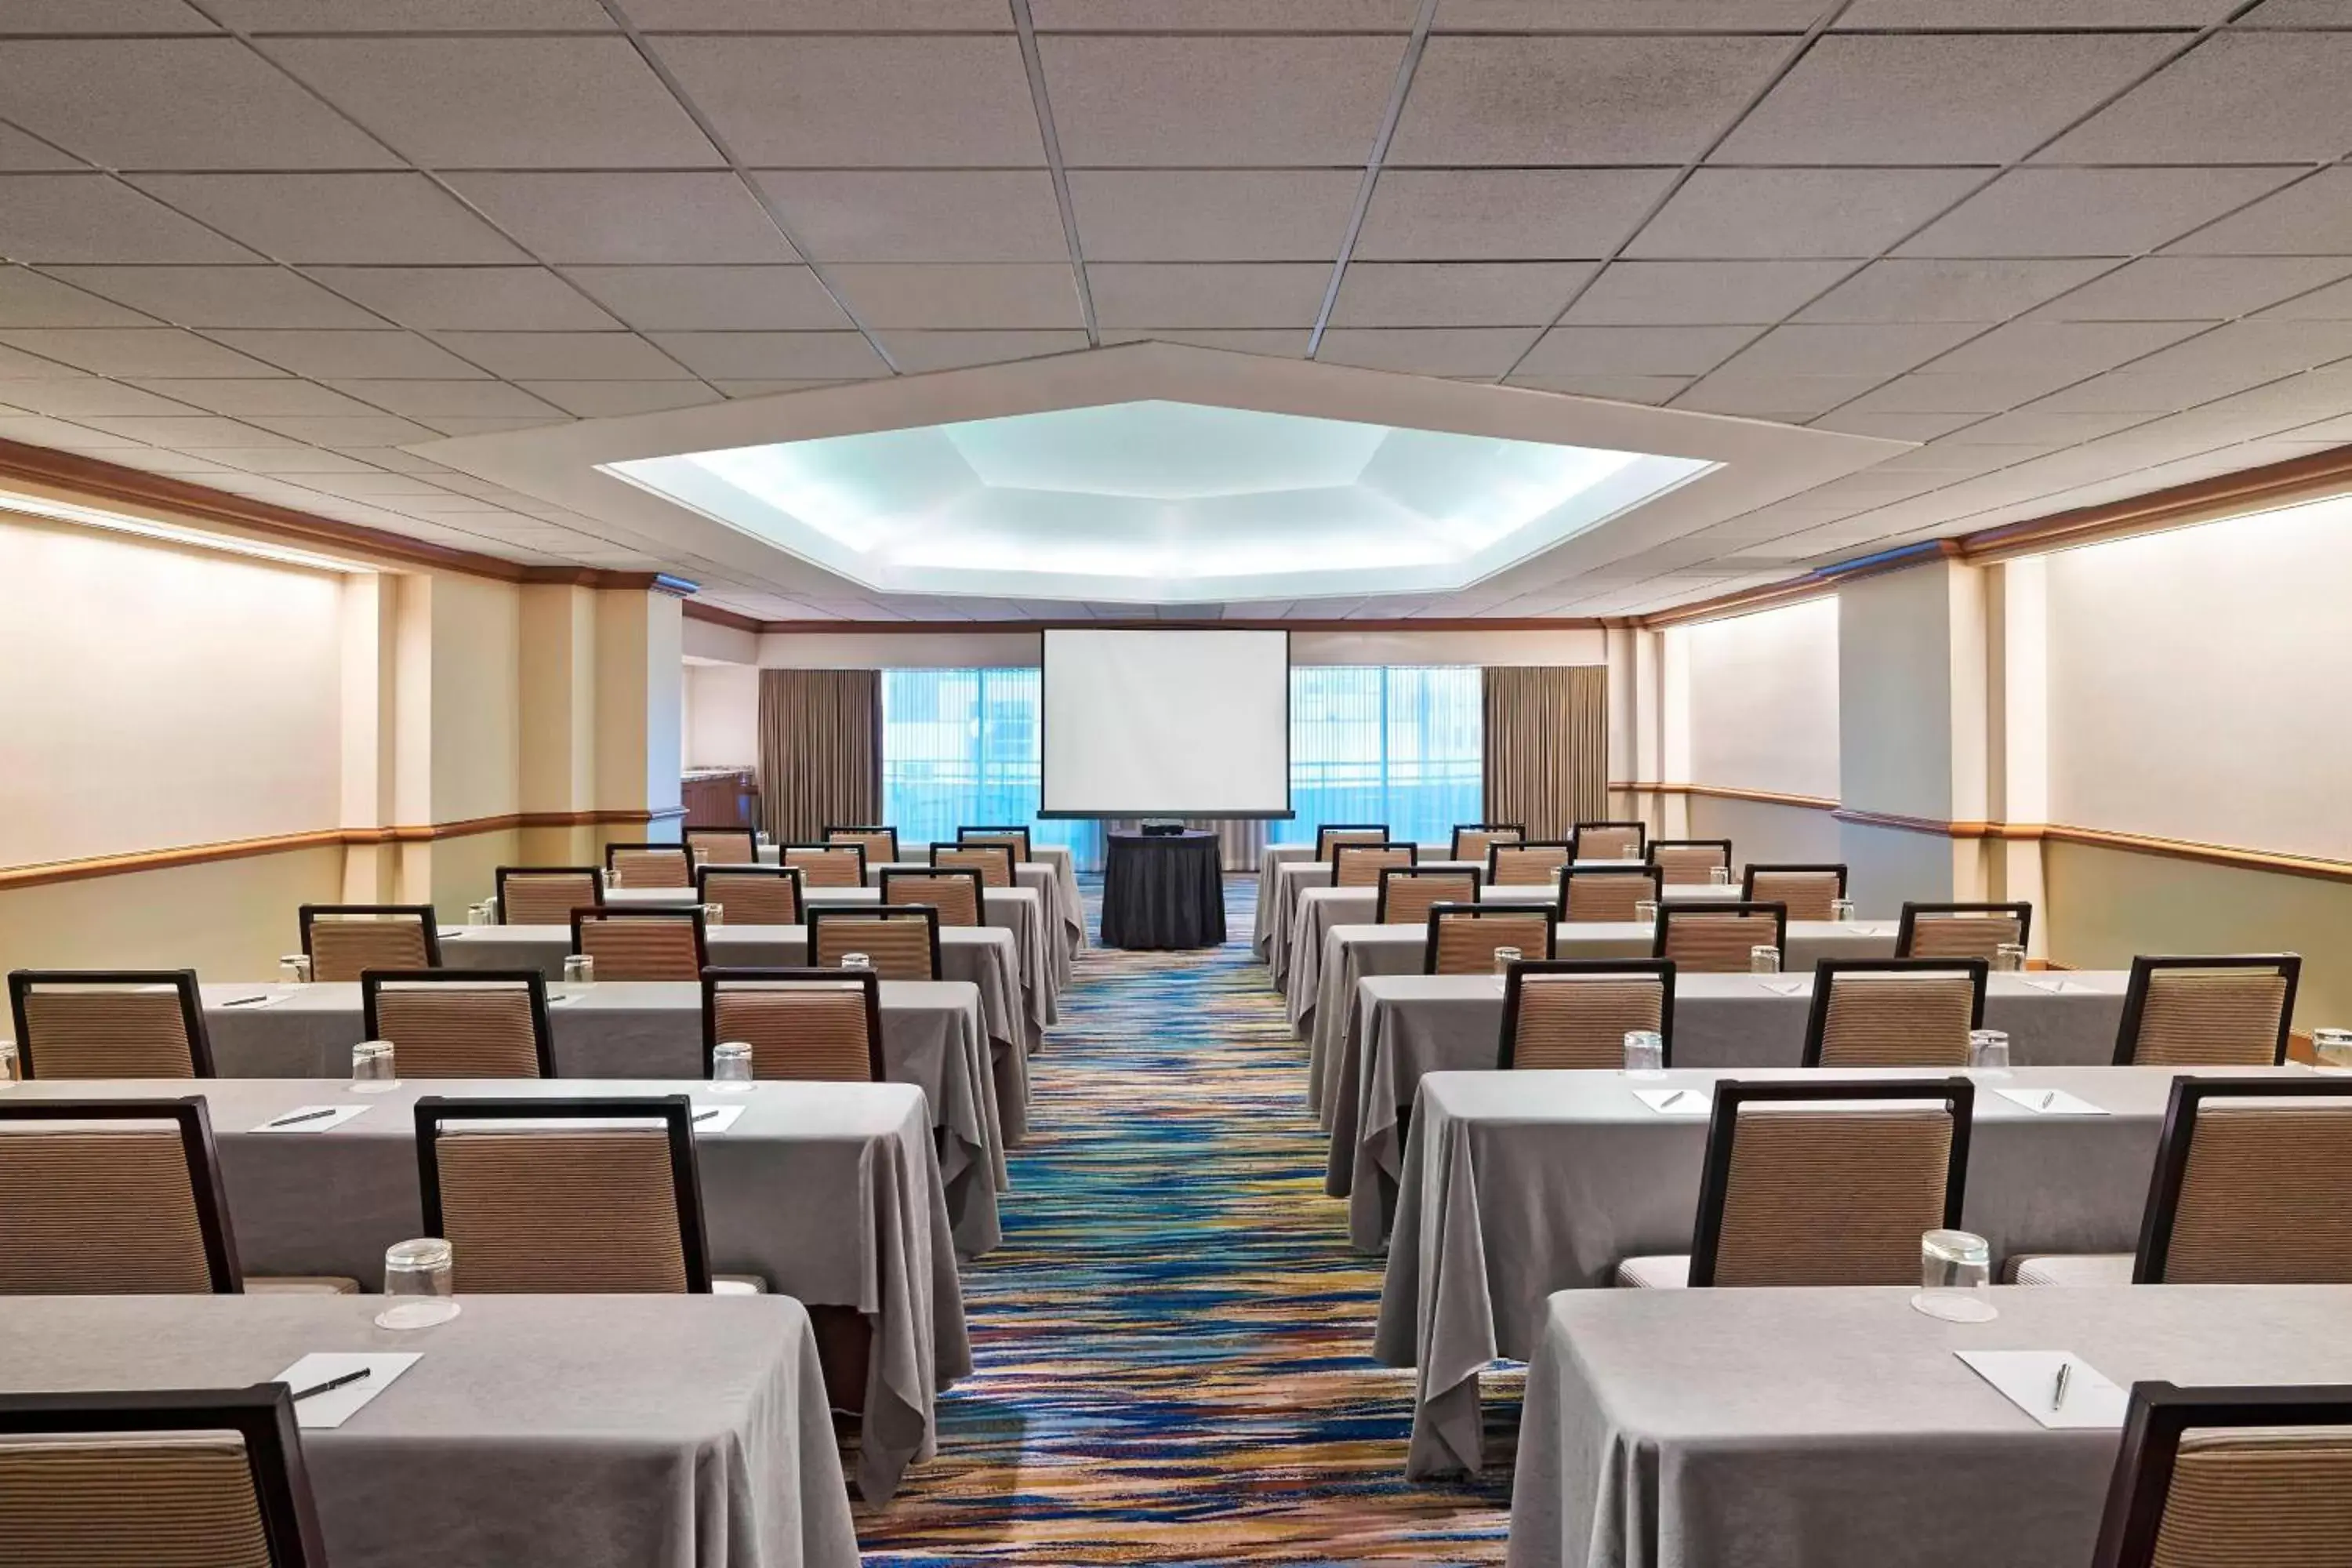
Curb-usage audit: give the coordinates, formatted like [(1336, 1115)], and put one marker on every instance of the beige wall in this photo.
[(1760, 830), (229, 919), (1894, 693), (722, 715), (475, 701), (1762, 695)]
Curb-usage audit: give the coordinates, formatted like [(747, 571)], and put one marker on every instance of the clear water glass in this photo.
[(2009, 958), (9, 1075), (476, 915), (421, 1277), (578, 969), (1645, 1052), (2331, 1047), (294, 969), (490, 910), (371, 1068), (1988, 1050), (1505, 957), (1718, 876), (1955, 1271), (702, 855), (856, 961), (1841, 910), (1764, 959), (1645, 911), (714, 914), (730, 1067)]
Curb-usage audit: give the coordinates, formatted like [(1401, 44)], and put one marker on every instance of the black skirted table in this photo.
[(1162, 890)]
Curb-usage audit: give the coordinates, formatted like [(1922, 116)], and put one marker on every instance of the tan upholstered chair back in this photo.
[(899, 949), (641, 947), (2257, 1498), (1704, 943), (443, 1030), (2255, 1206), (1808, 894), (1527, 865), (1017, 842), (1466, 941), (1472, 843), (94, 1031), (1605, 895), (1688, 865), (827, 867), (1406, 895), (562, 1210), (799, 1029), (542, 898), (880, 844), (1582, 1021), (993, 861), (153, 1500), (97, 1208), (342, 945), (723, 845), (1962, 936), (2221, 1017), (1889, 1020), (753, 898), (1360, 866), (662, 867), (952, 896), (1608, 841), (1832, 1197)]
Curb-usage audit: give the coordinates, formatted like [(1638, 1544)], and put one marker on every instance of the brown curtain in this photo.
[(820, 751), (1547, 746)]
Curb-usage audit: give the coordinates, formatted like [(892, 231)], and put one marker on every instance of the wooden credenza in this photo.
[(720, 798)]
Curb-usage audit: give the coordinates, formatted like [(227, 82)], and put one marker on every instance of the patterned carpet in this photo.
[(1173, 1342)]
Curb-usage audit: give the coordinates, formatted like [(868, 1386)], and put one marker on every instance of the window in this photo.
[(960, 749), (1398, 744)]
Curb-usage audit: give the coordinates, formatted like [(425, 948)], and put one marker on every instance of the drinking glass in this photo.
[(294, 969), (713, 914), (1645, 1052), (2009, 958), (1954, 1270), (490, 910), (1505, 957), (422, 1273), (578, 969), (702, 855), (476, 915), (1841, 910), (2333, 1048), (730, 1067), (1645, 911), (371, 1068), (1988, 1050), (8, 1073), (1764, 959), (1718, 876), (856, 961)]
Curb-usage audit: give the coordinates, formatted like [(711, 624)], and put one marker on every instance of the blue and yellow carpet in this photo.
[(1173, 1343)]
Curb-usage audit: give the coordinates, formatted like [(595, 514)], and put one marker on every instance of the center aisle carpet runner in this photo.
[(1173, 1343)]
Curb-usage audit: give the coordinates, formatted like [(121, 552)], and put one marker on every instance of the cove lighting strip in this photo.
[(171, 532)]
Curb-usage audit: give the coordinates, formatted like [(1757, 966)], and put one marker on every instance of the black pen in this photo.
[(334, 1383), (243, 1001), (298, 1121), (706, 1115)]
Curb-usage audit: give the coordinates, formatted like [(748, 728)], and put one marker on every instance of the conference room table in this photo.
[(530, 1432), (1410, 1025), (1839, 1428), (932, 1038), (1520, 1184), (828, 1193), (1049, 869)]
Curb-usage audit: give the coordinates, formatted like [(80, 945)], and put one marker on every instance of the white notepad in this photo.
[(338, 1406), (2030, 1381), (1677, 1102), (716, 1118), (337, 1115), (2051, 1101), (1788, 987), (2055, 987)]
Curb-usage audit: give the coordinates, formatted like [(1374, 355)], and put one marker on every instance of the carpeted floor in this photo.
[(1173, 1342)]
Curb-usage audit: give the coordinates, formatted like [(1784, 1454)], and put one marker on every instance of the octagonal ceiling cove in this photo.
[(1158, 501)]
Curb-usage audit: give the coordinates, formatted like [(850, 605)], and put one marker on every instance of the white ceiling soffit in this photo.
[(1157, 473)]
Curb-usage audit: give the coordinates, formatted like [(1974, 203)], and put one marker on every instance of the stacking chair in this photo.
[(2239, 1194), (546, 895), (826, 865), (1895, 1012), (1715, 938), (1471, 840), (993, 861), (123, 1197), (1407, 892), (1462, 937), (751, 895), (648, 866), (1823, 1184), (1688, 862), (2215, 1477), (1609, 840), (108, 1023), (1015, 835), (1332, 834), (191, 1477), (459, 1022), (1576, 1012), (722, 846), (1359, 864), (1528, 864), (2225, 1011), (641, 943), (609, 1205), (1961, 931), (1606, 892), (903, 942), (1807, 890), (879, 843), (823, 1024), (343, 939), (954, 892)]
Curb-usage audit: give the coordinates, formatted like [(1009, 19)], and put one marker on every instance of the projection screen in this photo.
[(1174, 724)]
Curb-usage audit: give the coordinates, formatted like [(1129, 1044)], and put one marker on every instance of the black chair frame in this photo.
[(871, 983), (372, 982), (702, 894), (1495, 857), (21, 983), (1658, 969), (1669, 913), (1641, 835), (1323, 845), (192, 1120), (683, 852), (595, 874), (896, 873), (2178, 1139), (1454, 848), (2157, 1417), (2288, 964), (783, 852), (1650, 850), (1012, 865), (965, 835), (1440, 913), (307, 913), (1906, 927), (1648, 873), (691, 912), (1827, 970), (837, 913), (1381, 900), (1748, 874), (832, 828)]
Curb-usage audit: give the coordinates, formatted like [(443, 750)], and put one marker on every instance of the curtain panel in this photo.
[(820, 751), (1547, 746)]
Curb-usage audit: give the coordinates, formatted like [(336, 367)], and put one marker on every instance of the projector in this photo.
[(1162, 827)]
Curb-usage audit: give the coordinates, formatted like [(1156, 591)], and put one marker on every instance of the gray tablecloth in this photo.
[(1518, 1184), (1050, 869), (1262, 925), (931, 1037), (827, 1191), (1415, 1024), (1839, 1428), (1327, 990), (536, 1432)]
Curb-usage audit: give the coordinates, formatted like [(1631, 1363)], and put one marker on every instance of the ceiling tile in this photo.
[(1788, 398), (1223, 16), (1895, 426), (2187, 288), (1928, 394), (346, 430), (372, 218), (1642, 293), (754, 388), (2312, 217), (1635, 350), (1936, 99), (1454, 293), (2330, 304), (1964, 290), (1289, 343), (2145, 392), (1508, 214), (517, 299), (920, 215), (29, 299), (774, 356), (1217, 102), (629, 217), (175, 103), (325, 354), (829, 15), (1208, 215), (2297, 14), (421, 399), (718, 299), (134, 350), (284, 395), (2237, 96), (610, 399), (184, 433), (1004, 296), (2067, 349), (91, 217), (564, 356), (2264, 347), (20, 152), (101, 16), (1428, 351), (16, 365), (35, 431), (89, 394), (503, 103), (917, 351), (1721, 213), (1208, 294), (2025, 15), (1611, 15), (220, 296), (2090, 212), (1649, 389), (291, 459), (417, 16), (843, 101), (1878, 350), (179, 465), (2033, 424)]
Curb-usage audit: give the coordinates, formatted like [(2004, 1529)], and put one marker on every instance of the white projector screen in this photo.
[(1175, 723)]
